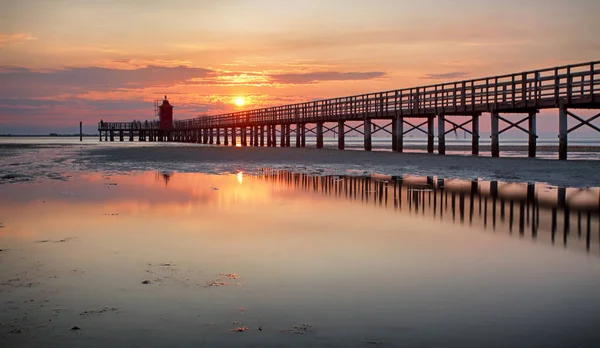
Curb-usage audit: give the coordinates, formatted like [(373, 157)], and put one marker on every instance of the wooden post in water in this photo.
[(262, 135), (233, 136), (274, 135), (287, 135), (269, 142), (243, 139), (303, 137), (319, 135), (399, 134), (562, 132), (475, 135), (341, 135), (218, 135), (81, 132), (430, 134), (282, 135), (532, 133), (441, 134), (298, 134), (367, 130), (495, 136), (226, 136)]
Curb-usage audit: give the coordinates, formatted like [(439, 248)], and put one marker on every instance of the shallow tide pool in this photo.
[(281, 260)]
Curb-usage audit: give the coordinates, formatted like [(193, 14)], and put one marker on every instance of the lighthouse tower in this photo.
[(165, 115)]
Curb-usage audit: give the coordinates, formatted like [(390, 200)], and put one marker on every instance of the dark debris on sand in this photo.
[(299, 329)]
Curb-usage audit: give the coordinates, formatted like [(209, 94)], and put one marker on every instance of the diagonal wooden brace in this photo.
[(515, 125), (417, 127), (458, 126), (350, 128), (381, 128), (311, 130), (583, 122), (332, 129)]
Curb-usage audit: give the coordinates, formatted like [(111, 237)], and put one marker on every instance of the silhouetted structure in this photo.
[(565, 88)]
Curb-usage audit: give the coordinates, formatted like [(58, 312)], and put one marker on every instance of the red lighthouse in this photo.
[(165, 114)]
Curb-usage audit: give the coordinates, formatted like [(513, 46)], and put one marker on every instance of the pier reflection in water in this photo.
[(570, 215)]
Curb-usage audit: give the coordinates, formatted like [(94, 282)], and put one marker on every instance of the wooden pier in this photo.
[(565, 88)]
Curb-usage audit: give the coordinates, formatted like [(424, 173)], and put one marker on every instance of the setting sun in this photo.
[(240, 101)]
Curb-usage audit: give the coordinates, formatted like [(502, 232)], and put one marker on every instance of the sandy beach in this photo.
[(575, 173)]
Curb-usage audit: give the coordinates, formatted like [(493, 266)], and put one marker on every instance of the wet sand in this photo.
[(213, 159)]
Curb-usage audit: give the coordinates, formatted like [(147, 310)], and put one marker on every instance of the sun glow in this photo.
[(240, 101)]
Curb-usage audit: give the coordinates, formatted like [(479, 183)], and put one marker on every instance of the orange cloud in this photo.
[(7, 39)]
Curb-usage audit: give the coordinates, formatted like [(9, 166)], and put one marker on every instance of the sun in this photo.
[(240, 101)]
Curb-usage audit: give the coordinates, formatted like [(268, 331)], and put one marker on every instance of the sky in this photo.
[(65, 61)]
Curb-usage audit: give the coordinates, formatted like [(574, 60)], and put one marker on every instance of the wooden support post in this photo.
[(367, 131), (282, 135), (269, 142), (255, 135), (218, 135), (298, 135), (80, 131), (394, 134), (303, 137), (532, 134), (287, 135), (262, 135), (226, 136), (399, 135), (430, 134), (475, 135), (495, 135), (441, 134), (274, 135), (319, 135), (121, 135), (243, 139), (562, 132), (341, 135), (131, 135), (233, 136)]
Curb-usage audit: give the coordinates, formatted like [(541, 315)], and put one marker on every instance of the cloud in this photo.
[(305, 78), (7, 39), (444, 76), (97, 78)]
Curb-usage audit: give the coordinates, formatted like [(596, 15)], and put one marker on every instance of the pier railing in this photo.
[(544, 88)]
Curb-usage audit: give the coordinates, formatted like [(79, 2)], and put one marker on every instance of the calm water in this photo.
[(311, 261)]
